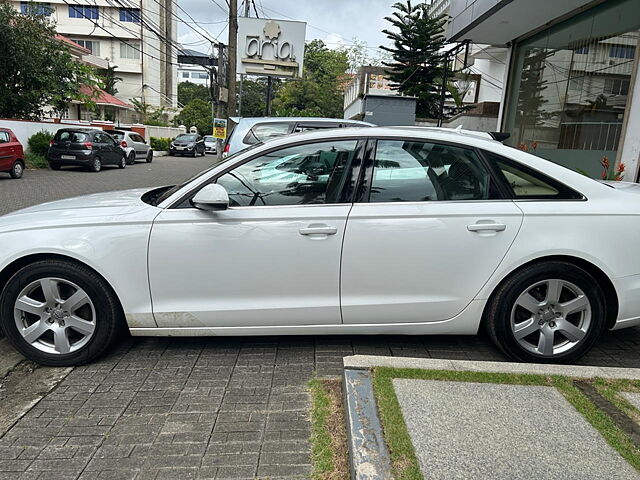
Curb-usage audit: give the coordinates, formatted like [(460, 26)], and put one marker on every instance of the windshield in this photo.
[(175, 188), (209, 138), (186, 138)]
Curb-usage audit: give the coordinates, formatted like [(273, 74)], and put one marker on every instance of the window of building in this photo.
[(200, 76), (305, 174), (83, 11), (129, 50), (185, 74), (92, 45), (616, 86), (130, 15), (582, 50), (36, 8), (560, 104), (408, 171), (622, 51)]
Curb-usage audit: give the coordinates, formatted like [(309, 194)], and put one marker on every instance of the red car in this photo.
[(11, 154)]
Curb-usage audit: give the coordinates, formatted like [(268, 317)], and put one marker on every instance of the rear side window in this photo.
[(73, 137), (4, 137), (526, 183), (261, 132)]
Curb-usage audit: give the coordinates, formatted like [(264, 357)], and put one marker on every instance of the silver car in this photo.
[(133, 144), (247, 131), (210, 144)]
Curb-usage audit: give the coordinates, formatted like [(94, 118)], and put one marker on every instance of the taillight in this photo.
[(88, 145), (227, 147), (51, 142), (123, 144)]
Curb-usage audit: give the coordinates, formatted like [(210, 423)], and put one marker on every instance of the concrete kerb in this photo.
[(364, 430)]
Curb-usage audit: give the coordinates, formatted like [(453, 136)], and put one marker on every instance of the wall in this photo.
[(163, 132)]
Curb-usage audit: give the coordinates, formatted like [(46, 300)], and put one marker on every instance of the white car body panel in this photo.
[(248, 271)]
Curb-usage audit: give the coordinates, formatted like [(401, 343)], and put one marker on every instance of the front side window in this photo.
[(83, 11), (130, 15), (304, 174), (262, 132), (409, 171)]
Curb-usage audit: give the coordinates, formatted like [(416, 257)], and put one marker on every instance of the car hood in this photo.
[(108, 207)]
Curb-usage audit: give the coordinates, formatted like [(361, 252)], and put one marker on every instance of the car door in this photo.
[(6, 151), (428, 230), (272, 258)]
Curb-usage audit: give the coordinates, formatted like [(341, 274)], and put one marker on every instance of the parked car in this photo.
[(87, 147), (11, 154), (367, 231), (133, 144), (247, 131), (210, 144), (187, 144)]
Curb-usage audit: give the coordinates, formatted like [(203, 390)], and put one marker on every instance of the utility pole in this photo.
[(220, 77), (246, 14), (231, 69)]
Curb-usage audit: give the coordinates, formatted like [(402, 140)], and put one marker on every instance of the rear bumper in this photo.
[(82, 158), (628, 289)]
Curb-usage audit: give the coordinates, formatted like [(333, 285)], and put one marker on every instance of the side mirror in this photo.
[(211, 197)]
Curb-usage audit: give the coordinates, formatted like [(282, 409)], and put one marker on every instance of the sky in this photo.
[(336, 22)]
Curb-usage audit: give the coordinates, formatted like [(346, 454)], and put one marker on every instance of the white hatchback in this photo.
[(352, 231)]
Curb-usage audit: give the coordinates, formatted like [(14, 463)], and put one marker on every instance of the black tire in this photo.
[(123, 162), (131, 159), (149, 156), (17, 170), (498, 319), (194, 153), (96, 165), (54, 166), (108, 321)]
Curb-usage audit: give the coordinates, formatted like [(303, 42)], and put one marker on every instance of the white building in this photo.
[(192, 72), (126, 35), (571, 94)]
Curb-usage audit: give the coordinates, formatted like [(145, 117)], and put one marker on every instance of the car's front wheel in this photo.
[(59, 313), (149, 156), (551, 312)]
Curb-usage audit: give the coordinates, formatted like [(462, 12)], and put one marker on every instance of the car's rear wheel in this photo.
[(96, 165), (123, 162), (59, 313), (131, 159), (149, 156), (551, 312), (17, 170)]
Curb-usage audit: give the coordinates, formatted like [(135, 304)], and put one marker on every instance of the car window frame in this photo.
[(346, 196), (543, 177), (363, 194)]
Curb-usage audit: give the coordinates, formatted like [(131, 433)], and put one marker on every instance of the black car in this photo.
[(87, 147), (187, 144)]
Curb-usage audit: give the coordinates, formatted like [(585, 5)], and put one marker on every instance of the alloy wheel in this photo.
[(55, 316), (17, 170), (551, 317)]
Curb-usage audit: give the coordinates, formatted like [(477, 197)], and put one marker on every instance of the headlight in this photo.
[(173, 144), (191, 145)]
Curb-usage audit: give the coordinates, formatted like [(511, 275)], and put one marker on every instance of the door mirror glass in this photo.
[(211, 197)]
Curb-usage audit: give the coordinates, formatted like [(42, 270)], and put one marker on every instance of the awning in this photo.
[(100, 97)]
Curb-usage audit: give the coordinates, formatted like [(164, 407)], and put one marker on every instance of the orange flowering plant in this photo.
[(609, 173)]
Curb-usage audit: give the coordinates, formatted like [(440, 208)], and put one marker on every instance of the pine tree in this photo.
[(418, 63)]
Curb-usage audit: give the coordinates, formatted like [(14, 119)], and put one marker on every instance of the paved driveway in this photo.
[(198, 408)]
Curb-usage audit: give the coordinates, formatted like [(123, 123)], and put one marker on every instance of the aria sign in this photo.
[(270, 47)]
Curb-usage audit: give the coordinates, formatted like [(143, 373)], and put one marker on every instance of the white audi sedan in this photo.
[(354, 231)]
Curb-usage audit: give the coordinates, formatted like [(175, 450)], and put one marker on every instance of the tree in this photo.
[(319, 92), (188, 91), (358, 55), (254, 94), (109, 79), (417, 68), (150, 115), (196, 113), (36, 69)]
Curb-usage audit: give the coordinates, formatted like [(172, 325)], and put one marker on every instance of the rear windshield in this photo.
[(261, 132), (73, 137), (116, 135), (188, 138)]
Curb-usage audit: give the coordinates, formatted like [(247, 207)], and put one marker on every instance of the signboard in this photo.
[(220, 128), (270, 47)]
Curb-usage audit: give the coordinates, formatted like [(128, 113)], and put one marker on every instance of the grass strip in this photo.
[(403, 457), (329, 454)]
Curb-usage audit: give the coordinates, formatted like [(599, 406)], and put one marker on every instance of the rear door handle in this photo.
[(486, 227), (318, 229)]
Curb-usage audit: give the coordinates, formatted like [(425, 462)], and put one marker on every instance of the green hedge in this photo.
[(160, 144), (34, 160), (39, 142)]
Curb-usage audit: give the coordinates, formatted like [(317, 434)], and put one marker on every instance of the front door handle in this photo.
[(487, 227), (318, 229)]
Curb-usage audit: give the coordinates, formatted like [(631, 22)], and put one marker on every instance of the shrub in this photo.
[(160, 144), (34, 160), (39, 142)]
